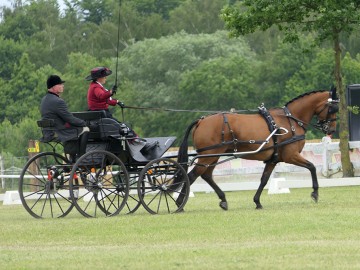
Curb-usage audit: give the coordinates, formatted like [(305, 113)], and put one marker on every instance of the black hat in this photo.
[(98, 72), (53, 80)]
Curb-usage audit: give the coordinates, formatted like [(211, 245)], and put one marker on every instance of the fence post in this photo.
[(32, 151), (2, 172), (326, 156)]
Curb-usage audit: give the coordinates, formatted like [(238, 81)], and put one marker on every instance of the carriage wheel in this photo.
[(133, 202), (160, 183), (99, 184), (44, 186)]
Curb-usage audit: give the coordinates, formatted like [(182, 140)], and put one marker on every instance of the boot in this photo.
[(83, 142), (149, 146)]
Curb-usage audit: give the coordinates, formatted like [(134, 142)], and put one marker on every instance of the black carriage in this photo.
[(112, 176)]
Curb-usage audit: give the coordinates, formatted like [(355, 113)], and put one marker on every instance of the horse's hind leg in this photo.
[(269, 167), (208, 177), (193, 175)]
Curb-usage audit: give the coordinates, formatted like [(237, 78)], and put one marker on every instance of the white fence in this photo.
[(324, 155)]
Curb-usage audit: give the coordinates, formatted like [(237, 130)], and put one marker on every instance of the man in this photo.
[(67, 127)]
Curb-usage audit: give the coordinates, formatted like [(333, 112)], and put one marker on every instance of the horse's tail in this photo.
[(183, 156)]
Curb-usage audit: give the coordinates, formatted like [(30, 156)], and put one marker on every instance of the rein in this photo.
[(183, 110)]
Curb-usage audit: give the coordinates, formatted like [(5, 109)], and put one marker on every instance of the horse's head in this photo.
[(327, 115)]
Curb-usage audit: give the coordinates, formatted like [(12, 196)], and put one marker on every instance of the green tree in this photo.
[(10, 54), (329, 19), (149, 7), (77, 68), (164, 73), (221, 84), (25, 90), (197, 17), (23, 21), (279, 65), (95, 11)]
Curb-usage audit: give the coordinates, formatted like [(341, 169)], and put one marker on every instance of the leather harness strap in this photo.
[(272, 126), (291, 117), (234, 139)]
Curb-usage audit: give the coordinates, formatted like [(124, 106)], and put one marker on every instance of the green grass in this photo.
[(291, 232)]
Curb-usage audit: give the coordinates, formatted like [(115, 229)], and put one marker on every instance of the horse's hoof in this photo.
[(180, 210), (259, 207), (224, 205), (315, 196)]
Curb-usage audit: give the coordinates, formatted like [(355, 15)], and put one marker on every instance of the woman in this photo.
[(99, 98)]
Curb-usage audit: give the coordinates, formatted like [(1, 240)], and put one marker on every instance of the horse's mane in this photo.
[(305, 94)]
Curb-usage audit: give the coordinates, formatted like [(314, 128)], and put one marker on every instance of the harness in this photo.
[(234, 140), (292, 119), (322, 124), (272, 127)]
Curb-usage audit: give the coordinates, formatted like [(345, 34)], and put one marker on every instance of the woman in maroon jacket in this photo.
[(99, 98)]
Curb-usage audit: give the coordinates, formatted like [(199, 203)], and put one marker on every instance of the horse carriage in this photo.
[(113, 175)]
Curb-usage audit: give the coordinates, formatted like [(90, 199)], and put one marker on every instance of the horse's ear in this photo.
[(333, 92)]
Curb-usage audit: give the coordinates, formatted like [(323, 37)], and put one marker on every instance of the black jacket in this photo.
[(67, 127)]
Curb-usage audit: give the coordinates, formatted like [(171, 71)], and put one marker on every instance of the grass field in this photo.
[(291, 232)]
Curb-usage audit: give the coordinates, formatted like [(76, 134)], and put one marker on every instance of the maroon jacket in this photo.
[(99, 98)]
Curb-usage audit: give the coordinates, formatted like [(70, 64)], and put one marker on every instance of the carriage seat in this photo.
[(92, 119), (109, 128), (101, 128), (90, 115), (48, 130)]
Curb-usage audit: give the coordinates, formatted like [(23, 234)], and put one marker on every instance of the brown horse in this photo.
[(275, 135)]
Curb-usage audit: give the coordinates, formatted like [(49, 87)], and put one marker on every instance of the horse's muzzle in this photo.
[(330, 131)]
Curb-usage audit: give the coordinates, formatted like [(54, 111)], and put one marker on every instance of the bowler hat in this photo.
[(53, 80), (98, 72)]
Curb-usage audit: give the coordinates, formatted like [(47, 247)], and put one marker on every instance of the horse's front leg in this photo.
[(312, 169), (302, 162), (269, 167), (298, 160)]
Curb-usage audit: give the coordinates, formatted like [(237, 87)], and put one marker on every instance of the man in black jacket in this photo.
[(67, 127)]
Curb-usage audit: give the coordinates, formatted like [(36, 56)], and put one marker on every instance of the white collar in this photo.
[(101, 85)]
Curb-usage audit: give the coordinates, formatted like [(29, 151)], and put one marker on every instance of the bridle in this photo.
[(324, 124), (321, 124)]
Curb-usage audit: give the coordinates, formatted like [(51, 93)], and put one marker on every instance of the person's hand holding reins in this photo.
[(121, 104)]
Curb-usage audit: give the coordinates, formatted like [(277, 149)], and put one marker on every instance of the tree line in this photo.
[(173, 54)]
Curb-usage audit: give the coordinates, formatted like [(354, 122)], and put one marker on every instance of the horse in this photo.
[(272, 136)]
